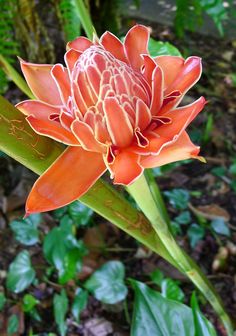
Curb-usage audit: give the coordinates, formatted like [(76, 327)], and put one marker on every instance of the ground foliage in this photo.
[(73, 259)]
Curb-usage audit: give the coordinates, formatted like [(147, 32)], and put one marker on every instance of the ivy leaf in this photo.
[(12, 325), (20, 274), (107, 283), (80, 213), (155, 315), (171, 290), (79, 303), (60, 306), (25, 230), (158, 48), (195, 233), (178, 198), (203, 327), (64, 252), (219, 226)]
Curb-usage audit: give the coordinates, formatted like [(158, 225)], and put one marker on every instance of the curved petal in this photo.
[(67, 179), (181, 149), (41, 82), (112, 44), (171, 66), (80, 44), (157, 91), (126, 168), (71, 57), (38, 109), (86, 138), (62, 80), (136, 44), (118, 123), (52, 129)]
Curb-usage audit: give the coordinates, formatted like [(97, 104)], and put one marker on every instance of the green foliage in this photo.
[(28, 303), (189, 14), (69, 17), (79, 303), (169, 287), (195, 234), (2, 301), (107, 283), (60, 304), (219, 226), (20, 274), (178, 198), (156, 315), (8, 44), (202, 326), (12, 325), (64, 252), (158, 48), (26, 230)]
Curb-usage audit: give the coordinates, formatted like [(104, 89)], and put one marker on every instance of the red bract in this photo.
[(115, 106)]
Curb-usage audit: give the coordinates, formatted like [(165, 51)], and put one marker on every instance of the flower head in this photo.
[(115, 107)]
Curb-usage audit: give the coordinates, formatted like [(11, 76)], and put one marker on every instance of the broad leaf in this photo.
[(60, 305), (80, 213), (25, 230), (12, 325), (195, 233), (64, 252), (178, 198), (203, 327), (219, 226), (107, 283), (20, 274), (158, 48), (155, 315), (2, 301), (29, 302), (171, 290), (79, 303)]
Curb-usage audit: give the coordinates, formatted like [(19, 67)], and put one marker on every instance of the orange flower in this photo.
[(115, 107)]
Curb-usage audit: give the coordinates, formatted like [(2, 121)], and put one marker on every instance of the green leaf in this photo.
[(232, 168), (203, 327), (64, 252), (155, 315), (20, 274), (2, 301), (171, 290), (29, 302), (158, 48), (13, 324), (195, 233), (60, 306), (25, 230), (219, 226), (183, 218), (80, 213), (157, 277), (219, 171), (178, 198), (79, 303), (107, 283)]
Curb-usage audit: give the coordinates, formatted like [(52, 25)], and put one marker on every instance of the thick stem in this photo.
[(143, 196)]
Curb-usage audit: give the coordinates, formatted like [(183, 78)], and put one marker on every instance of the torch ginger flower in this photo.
[(115, 107)]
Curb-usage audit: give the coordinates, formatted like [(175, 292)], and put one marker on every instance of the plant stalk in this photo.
[(85, 19), (143, 196)]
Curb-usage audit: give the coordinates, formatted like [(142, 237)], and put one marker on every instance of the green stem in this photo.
[(15, 77), (143, 196), (85, 19)]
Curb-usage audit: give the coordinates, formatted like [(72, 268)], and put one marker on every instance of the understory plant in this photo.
[(116, 108)]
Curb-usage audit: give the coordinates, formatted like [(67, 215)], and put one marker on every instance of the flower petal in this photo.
[(181, 149), (62, 80), (80, 44), (111, 43), (71, 57), (143, 115), (41, 82), (157, 91), (171, 67), (86, 138), (118, 123), (38, 109), (52, 129), (136, 44), (126, 168), (67, 179)]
